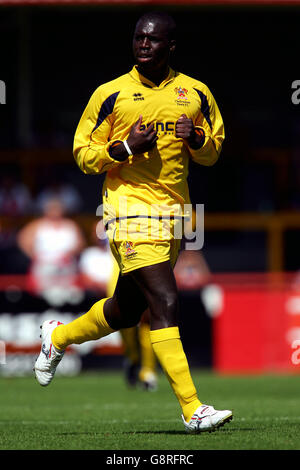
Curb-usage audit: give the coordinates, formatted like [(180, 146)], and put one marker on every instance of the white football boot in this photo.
[(49, 357), (207, 419)]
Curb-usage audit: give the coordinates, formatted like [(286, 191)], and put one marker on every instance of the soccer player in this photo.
[(141, 129)]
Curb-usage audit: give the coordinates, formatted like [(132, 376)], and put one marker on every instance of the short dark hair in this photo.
[(161, 17)]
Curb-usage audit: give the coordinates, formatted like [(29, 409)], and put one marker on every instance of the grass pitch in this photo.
[(98, 411)]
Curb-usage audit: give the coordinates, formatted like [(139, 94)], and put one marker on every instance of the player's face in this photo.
[(151, 45)]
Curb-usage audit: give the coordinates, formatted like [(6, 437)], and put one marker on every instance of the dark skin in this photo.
[(152, 287)]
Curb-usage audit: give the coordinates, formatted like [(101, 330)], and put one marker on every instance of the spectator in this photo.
[(191, 270), (65, 192), (53, 243), (15, 199), (96, 264)]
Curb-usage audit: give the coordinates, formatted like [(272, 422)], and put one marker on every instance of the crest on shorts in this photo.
[(129, 249)]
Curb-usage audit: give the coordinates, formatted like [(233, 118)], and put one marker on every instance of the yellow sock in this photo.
[(90, 326), (130, 343), (169, 351), (148, 360)]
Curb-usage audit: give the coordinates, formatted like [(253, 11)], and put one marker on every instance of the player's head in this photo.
[(154, 40)]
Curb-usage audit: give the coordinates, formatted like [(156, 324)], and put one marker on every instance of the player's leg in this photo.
[(130, 343), (159, 287), (140, 361), (129, 335), (147, 374), (104, 317)]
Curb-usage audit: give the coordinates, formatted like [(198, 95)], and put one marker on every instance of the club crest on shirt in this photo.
[(181, 96)]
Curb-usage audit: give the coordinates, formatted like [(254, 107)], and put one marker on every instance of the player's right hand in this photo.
[(141, 141)]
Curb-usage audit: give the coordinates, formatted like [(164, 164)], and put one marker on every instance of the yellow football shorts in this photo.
[(140, 241)]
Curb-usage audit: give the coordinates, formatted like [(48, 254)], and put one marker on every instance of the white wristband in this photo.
[(127, 148)]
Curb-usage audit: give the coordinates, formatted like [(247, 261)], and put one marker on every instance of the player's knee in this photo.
[(120, 322), (170, 301), (165, 305), (124, 316), (129, 322)]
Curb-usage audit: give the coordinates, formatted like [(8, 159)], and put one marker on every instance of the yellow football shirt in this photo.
[(157, 177)]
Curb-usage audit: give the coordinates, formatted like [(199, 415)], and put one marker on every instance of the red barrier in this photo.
[(258, 326), (255, 322)]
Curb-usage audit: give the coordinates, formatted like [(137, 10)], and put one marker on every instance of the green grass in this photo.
[(97, 411)]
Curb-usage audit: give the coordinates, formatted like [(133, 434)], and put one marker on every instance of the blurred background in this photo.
[(242, 291)]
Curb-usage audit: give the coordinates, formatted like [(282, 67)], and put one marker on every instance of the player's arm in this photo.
[(93, 150), (138, 141), (92, 142), (185, 129), (204, 137)]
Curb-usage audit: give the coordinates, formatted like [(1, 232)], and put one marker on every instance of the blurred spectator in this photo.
[(53, 243), (7, 236), (65, 192), (15, 199), (96, 265), (191, 270)]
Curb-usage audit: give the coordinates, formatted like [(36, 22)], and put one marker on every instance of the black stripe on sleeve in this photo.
[(106, 109), (204, 106)]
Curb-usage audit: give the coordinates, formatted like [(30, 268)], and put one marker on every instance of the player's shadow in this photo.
[(74, 433), (174, 433), (183, 432), (167, 431)]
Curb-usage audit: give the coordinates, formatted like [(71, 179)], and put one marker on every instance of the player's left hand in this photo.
[(185, 130)]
